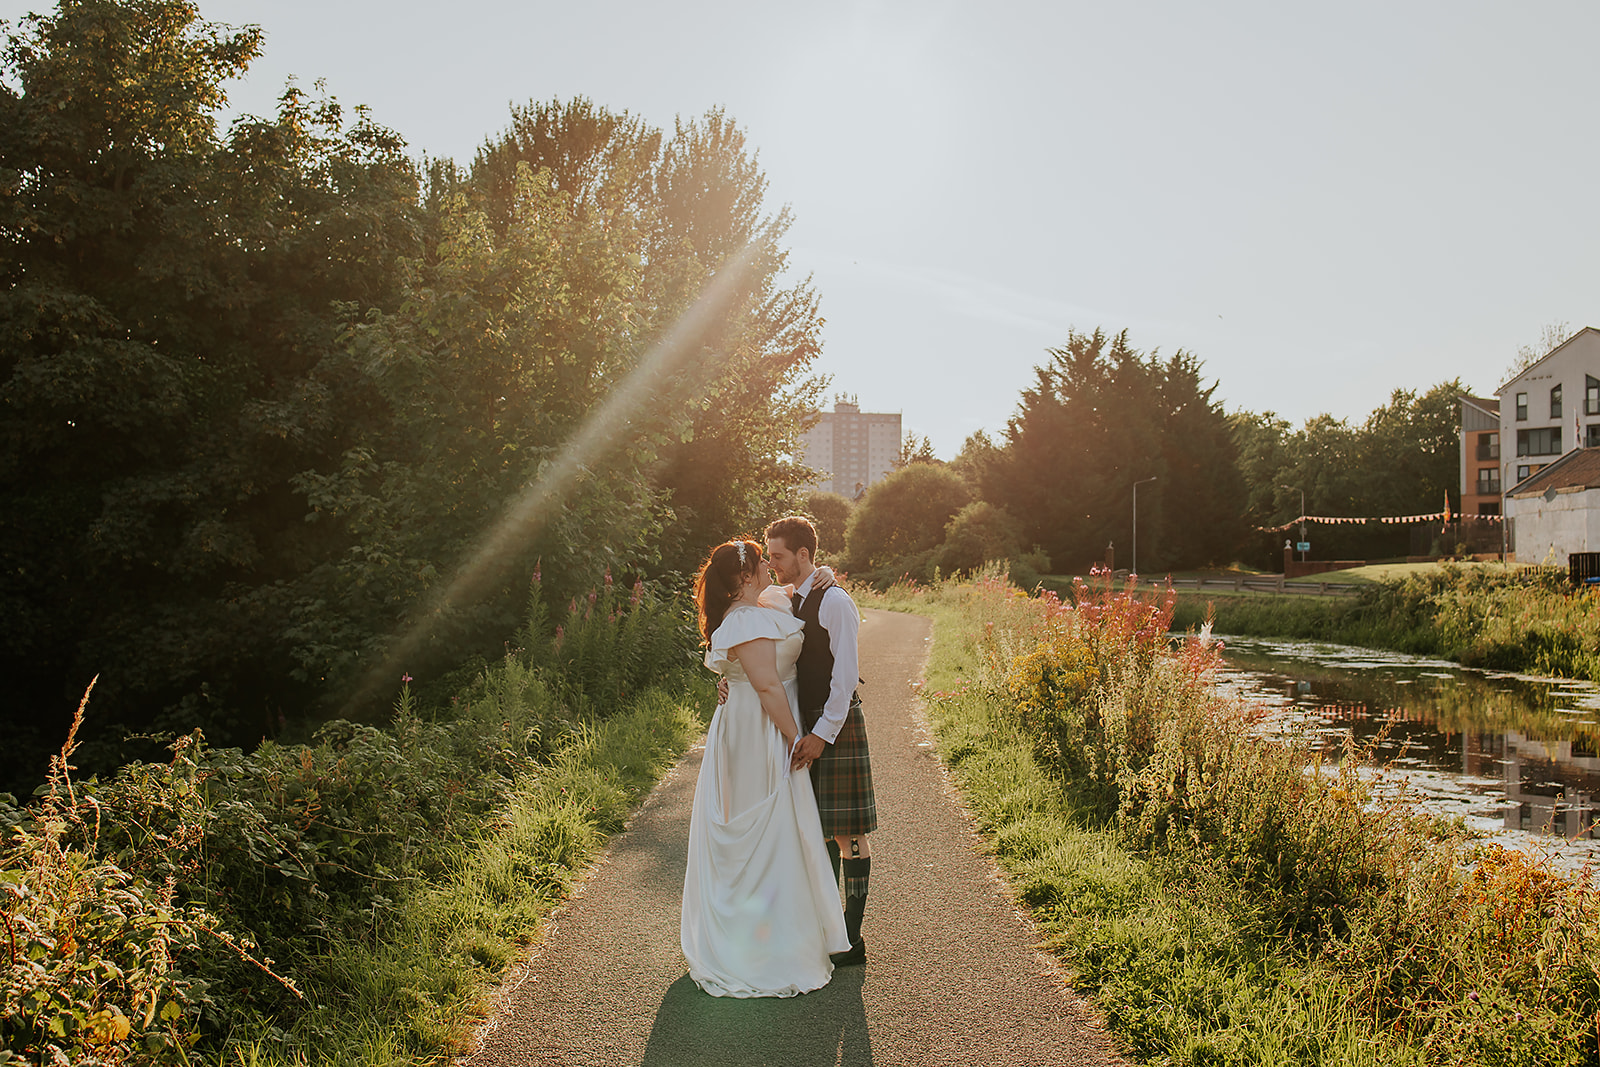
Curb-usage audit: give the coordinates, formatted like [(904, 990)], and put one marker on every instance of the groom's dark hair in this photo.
[(796, 532)]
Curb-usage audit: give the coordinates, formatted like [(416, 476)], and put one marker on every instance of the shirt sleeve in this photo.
[(839, 617)]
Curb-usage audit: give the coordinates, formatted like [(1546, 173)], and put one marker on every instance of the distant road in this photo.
[(954, 975)]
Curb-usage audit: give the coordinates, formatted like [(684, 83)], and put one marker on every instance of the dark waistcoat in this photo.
[(814, 668)]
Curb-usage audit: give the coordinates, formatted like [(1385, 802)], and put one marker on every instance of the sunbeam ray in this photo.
[(601, 433)]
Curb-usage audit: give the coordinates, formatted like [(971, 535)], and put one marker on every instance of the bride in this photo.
[(760, 904)]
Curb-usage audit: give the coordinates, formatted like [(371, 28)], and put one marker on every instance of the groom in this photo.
[(834, 741)]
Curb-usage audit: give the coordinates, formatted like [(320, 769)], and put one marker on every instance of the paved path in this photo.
[(953, 975)]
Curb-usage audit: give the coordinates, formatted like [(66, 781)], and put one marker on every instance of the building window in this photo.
[(1555, 401), (1591, 435), (1488, 481), (1591, 395), (1523, 472), (1522, 407), (1545, 441), (1488, 446), (1489, 509)]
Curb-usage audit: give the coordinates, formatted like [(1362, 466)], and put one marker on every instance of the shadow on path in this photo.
[(828, 1026)]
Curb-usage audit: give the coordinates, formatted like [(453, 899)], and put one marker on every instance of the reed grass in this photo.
[(1530, 620)]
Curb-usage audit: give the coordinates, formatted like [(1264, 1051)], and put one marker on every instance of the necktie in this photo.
[(795, 602)]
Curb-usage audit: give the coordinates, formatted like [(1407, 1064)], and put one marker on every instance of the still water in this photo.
[(1515, 757)]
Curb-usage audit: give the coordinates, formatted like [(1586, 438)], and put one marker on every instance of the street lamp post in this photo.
[(1136, 486), (1505, 517), (1302, 493)]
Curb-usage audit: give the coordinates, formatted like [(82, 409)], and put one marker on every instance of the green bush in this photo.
[(830, 514), (900, 524), (167, 888), (979, 533)]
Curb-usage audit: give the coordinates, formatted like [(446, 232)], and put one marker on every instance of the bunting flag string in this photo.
[(1394, 520)]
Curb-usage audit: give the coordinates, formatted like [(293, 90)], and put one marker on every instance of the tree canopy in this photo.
[(1099, 417), (898, 526), (1403, 459), (262, 391)]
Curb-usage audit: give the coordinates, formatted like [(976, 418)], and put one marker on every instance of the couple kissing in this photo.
[(784, 801)]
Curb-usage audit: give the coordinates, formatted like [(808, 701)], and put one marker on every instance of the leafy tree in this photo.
[(1261, 441), (979, 463), (261, 394), (915, 450), (1401, 460), (696, 198), (980, 533), (166, 297), (1099, 417), (901, 522), (830, 514)]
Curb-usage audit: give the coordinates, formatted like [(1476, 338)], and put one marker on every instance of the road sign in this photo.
[(1302, 546)]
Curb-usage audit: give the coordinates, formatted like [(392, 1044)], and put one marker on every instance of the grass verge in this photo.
[(1477, 615), (417, 991)]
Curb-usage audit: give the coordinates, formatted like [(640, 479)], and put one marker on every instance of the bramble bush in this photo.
[(100, 956)]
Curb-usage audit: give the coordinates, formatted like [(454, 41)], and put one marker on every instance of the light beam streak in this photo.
[(606, 427)]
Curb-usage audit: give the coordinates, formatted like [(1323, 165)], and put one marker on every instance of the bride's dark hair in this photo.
[(720, 580)]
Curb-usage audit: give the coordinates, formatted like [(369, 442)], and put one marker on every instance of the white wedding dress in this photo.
[(760, 904)]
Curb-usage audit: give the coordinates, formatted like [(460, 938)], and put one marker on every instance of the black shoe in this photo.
[(853, 958)]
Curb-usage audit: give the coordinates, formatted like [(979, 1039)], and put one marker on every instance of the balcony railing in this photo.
[(1489, 488)]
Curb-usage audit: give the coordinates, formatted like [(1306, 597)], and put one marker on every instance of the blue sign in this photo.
[(1302, 546)]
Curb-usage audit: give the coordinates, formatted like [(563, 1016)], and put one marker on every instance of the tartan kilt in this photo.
[(842, 778)]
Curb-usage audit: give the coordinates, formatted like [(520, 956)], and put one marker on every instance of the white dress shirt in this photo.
[(839, 616)]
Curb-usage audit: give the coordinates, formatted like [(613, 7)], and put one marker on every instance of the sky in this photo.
[(1322, 203)]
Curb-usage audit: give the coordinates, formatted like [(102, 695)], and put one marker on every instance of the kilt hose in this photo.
[(842, 777)]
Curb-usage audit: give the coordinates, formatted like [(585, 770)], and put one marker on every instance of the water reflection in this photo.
[(1512, 755)]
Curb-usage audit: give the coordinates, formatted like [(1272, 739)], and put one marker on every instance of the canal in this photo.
[(1516, 758)]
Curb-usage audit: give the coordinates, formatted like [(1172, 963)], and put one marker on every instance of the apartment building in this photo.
[(1544, 412), (850, 448), (1552, 407), (1480, 456)]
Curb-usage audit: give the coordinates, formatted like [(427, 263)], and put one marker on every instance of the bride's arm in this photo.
[(759, 658)]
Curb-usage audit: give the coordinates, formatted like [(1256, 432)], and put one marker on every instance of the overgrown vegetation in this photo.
[(264, 388), (342, 901), (1222, 897), (1525, 619)]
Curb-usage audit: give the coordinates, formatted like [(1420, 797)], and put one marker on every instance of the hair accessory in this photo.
[(741, 553)]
